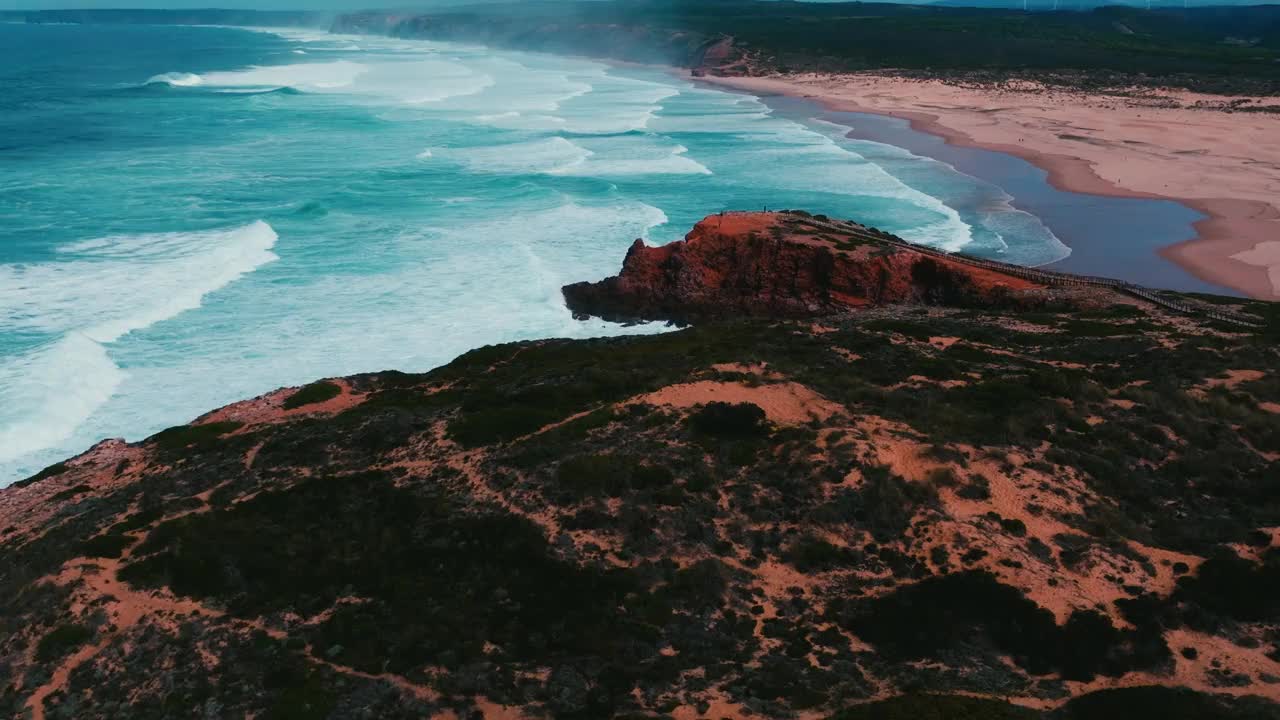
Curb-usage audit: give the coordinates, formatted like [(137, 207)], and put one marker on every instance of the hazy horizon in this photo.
[(348, 5)]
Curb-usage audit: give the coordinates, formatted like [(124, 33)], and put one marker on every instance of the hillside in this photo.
[(1229, 50), (1043, 501), (1225, 50)]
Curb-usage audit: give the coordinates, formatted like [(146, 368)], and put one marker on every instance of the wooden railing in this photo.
[(1046, 277)]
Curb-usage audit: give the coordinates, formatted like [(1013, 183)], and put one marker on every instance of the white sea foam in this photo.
[(48, 392), (548, 155), (1006, 221), (302, 76), (98, 292), (830, 167), (615, 105), (998, 218), (582, 157), (177, 79), (554, 246), (627, 156), (513, 120), (249, 91), (415, 81)]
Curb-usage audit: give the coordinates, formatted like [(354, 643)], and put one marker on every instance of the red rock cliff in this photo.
[(782, 265)]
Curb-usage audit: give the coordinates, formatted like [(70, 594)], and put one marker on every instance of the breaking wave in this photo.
[(97, 292)]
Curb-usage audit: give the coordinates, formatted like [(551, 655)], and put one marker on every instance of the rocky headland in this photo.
[(790, 264), (869, 482)]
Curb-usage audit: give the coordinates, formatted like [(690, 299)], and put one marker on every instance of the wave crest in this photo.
[(104, 289), (176, 79)]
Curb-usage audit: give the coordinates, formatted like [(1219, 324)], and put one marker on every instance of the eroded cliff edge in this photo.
[(994, 511), (792, 264)]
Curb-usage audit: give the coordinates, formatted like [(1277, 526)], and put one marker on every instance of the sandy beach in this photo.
[(1197, 149)]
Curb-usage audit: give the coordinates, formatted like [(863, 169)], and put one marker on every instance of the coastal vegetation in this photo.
[(546, 525), (316, 392), (526, 484), (1222, 50)]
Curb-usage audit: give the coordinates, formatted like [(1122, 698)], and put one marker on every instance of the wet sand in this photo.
[(1108, 236)]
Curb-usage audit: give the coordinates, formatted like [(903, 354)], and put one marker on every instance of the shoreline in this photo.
[(1232, 227)]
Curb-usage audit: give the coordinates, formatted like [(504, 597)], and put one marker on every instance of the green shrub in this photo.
[(944, 476), (1014, 526), (309, 700), (595, 474), (72, 492), (51, 471), (813, 554), (730, 420), (887, 502), (914, 330), (944, 615), (423, 561), (61, 641), (1163, 703), (184, 436), (937, 707), (1229, 585), (111, 545), (500, 424), (316, 392)]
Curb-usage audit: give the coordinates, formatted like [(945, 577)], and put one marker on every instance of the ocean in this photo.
[(191, 216)]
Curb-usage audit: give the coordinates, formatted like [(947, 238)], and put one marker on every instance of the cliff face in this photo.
[(906, 511), (785, 265)]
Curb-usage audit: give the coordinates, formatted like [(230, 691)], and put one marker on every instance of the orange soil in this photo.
[(783, 403)]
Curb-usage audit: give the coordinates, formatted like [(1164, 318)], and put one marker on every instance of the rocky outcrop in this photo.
[(785, 265)]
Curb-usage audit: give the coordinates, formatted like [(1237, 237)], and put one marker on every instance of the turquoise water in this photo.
[(194, 215)]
